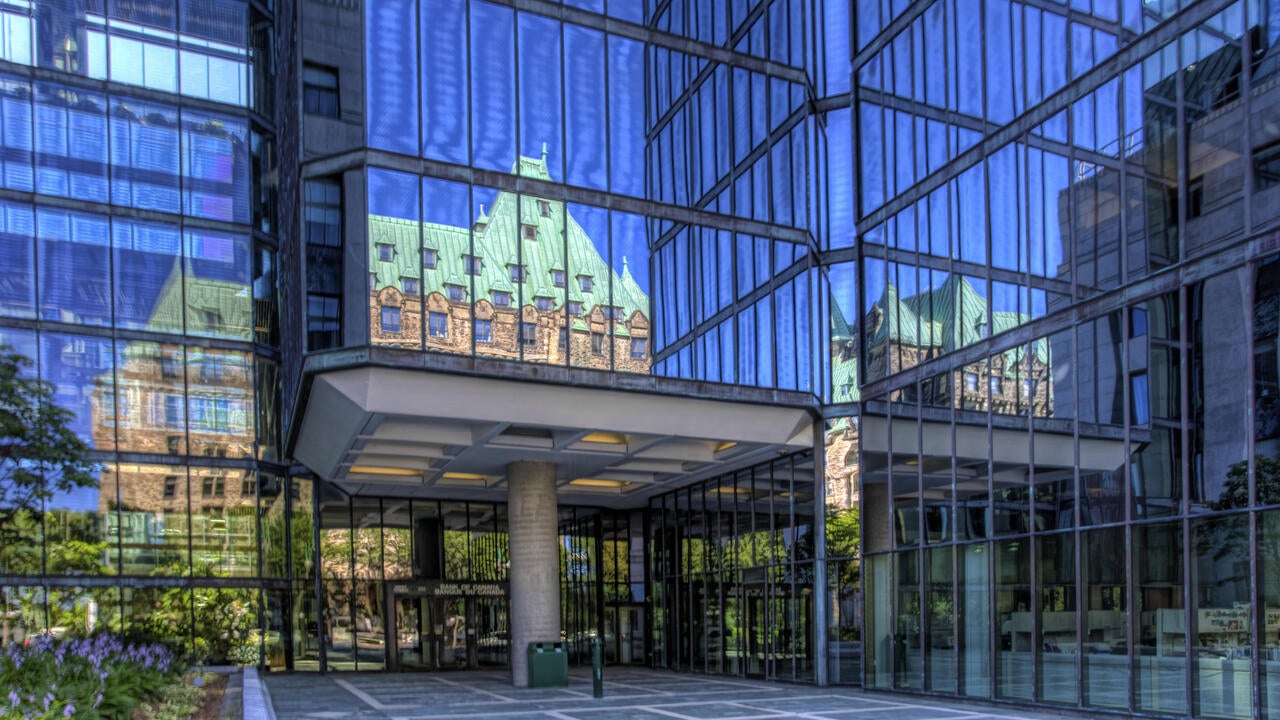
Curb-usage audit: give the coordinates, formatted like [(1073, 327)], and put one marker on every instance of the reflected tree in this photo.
[(40, 456), (1235, 492), (39, 453)]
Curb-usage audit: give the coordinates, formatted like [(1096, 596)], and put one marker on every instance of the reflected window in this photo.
[(584, 283), (438, 324), (597, 343), (386, 253), (501, 298), (323, 213), (173, 411), (320, 91), (971, 382), (544, 303), (213, 487), (996, 385), (528, 333), (410, 285), (564, 339), (517, 273), (457, 293), (170, 367), (557, 278), (170, 487), (1138, 322), (1266, 168), (544, 208), (528, 232), (430, 258), (1140, 403), (1195, 197), (575, 308), (391, 319), (324, 328), (638, 348), (484, 330), (472, 264), (1028, 388)]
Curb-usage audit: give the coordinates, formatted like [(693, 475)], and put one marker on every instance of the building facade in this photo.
[(928, 345)]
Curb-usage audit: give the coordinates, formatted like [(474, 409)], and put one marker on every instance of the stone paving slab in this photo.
[(630, 694)]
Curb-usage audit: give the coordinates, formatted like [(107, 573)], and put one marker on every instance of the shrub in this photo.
[(98, 677)]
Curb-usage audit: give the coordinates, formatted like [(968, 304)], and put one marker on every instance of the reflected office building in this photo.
[(926, 346)]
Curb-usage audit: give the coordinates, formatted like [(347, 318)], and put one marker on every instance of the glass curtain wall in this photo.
[(1087, 483), (731, 572), (137, 241)]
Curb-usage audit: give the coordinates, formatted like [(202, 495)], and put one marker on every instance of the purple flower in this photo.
[(68, 711)]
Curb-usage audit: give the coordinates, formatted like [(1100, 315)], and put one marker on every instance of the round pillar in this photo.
[(535, 560)]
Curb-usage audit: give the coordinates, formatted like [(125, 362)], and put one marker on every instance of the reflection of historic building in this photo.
[(198, 402), (902, 332), (533, 285)]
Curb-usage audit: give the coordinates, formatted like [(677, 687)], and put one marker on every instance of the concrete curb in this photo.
[(257, 701)]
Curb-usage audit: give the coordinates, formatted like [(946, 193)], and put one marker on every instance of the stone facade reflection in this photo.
[(505, 284)]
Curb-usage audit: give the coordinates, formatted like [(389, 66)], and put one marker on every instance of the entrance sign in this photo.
[(452, 589)]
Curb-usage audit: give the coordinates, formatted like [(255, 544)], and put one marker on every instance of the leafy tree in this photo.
[(40, 456), (1235, 492), (39, 453)]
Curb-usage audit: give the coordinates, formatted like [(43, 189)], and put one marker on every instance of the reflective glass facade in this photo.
[(1064, 269), (140, 279), (1018, 257)]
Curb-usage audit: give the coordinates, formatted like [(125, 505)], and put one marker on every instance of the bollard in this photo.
[(597, 668)]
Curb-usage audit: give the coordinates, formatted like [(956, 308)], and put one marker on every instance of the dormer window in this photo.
[(517, 273), (457, 293), (544, 303), (430, 258), (472, 265), (575, 308), (544, 208), (557, 278), (385, 252), (501, 298), (411, 285), (584, 283), (528, 232)]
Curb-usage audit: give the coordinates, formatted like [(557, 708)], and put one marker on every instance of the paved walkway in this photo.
[(630, 694)]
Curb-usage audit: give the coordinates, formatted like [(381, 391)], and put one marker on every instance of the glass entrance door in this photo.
[(757, 629), (407, 649), (451, 643), (449, 633)]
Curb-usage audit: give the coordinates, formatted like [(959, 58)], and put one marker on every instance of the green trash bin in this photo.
[(548, 664)]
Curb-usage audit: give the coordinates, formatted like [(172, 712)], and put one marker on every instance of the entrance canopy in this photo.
[(424, 433)]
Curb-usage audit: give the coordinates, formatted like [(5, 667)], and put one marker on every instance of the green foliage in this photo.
[(39, 453), (97, 678), (1235, 492), (844, 528), (180, 700), (225, 618)]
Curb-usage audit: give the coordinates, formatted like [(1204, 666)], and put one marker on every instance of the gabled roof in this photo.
[(560, 244), (947, 318)]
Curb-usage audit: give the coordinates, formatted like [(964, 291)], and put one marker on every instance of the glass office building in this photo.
[(927, 345)]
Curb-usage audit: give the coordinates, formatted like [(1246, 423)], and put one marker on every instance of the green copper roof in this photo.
[(844, 380), (555, 241), (948, 317)]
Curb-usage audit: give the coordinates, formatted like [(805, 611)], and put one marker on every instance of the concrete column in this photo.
[(821, 593), (535, 560)]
